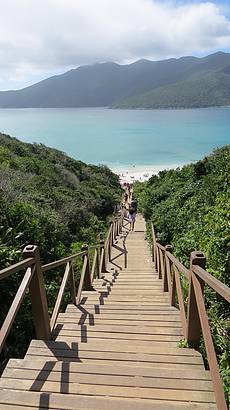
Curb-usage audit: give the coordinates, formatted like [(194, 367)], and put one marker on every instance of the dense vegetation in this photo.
[(50, 200), (173, 83), (190, 208), (200, 90)]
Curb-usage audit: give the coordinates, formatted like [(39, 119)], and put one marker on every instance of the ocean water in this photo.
[(121, 138)]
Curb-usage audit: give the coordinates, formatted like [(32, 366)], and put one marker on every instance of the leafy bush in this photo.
[(52, 201)]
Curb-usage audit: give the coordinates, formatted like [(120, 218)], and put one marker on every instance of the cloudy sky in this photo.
[(39, 38)]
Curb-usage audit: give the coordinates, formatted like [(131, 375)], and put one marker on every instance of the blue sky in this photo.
[(40, 38)]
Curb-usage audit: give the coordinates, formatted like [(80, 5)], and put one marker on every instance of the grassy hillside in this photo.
[(190, 209), (50, 200)]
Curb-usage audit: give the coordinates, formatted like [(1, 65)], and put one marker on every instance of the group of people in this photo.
[(130, 204)]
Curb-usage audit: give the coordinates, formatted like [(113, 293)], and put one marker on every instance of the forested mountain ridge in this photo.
[(173, 83), (190, 210)]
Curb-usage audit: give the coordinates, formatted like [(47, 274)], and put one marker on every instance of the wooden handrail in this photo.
[(178, 264), (33, 279), (94, 264), (60, 296), (8, 322), (60, 262), (214, 283), (78, 298), (17, 267), (169, 267), (211, 354)]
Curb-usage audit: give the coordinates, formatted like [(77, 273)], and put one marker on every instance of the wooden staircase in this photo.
[(118, 349)]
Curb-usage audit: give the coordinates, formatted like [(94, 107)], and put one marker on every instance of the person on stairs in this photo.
[(132, 218), (133, 204)]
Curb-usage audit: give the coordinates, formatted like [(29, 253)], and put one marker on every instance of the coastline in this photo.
[(141, 173)]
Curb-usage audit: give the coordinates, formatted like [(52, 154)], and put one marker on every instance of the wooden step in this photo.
[(68, 376), (93, 321), (64, 351), (111, 358), (78, 316), (86, 334), (189, 375), (125, 347), (132, 309), (168, 342), (28, 400), (136, 329), (76, 388)]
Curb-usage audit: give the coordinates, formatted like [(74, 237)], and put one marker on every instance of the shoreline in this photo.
[(141, 173)]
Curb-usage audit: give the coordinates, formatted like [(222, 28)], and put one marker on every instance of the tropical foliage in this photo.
[(53, 201)]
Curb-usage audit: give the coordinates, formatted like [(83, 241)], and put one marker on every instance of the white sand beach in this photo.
[(133, 173)]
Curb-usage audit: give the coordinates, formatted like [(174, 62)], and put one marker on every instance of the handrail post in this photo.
[(157, 264), (173, 289), (98, 262), (114, 231), (193, 320), (38, 295), (117, 227), (102, 246), (168, 248), (72, 284), (110, 241), (87, 278)]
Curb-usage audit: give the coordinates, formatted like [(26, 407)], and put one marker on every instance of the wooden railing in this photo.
[(192, 309), (33, 280)]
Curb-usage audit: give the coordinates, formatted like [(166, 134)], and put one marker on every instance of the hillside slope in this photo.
[(53, 201), (145, 84), (50, 199)]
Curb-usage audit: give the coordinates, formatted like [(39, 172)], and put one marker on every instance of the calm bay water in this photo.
[(123, 137)]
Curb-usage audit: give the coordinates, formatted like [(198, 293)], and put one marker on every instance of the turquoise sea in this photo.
[(123, 137)]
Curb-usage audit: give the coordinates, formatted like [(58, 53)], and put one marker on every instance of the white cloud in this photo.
[(38, 37)]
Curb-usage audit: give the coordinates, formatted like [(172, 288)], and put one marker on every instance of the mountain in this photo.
[(172, 83)]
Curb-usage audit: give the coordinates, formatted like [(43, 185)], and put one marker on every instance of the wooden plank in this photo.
[(106, 379), (69, 329), (160, 341), (73, 402), (125, 303), (178, 361), (212, 359), (65, 317), (180, 300), (8, 322), (116, 391), (170, 362), (154, 308), (84, 336), (148, 309), (107, 369), (151, 330), (94, 321), (80, 286), (60, 295), (111, 359), (129, 354), (126, 346), (141, 293)]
